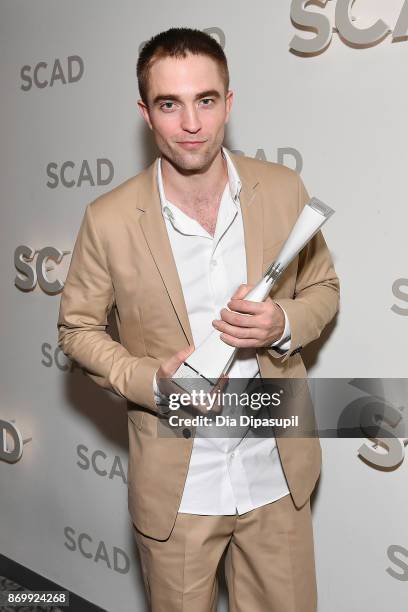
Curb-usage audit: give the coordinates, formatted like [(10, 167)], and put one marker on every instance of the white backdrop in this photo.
[(343, 115)]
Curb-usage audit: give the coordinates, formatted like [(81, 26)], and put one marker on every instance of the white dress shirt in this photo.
[(226, 474)]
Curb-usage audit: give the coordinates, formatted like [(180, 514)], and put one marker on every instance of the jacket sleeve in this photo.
[(86, 300), (317, 289)]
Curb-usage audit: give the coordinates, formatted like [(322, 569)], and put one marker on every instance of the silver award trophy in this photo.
[(213, 357)]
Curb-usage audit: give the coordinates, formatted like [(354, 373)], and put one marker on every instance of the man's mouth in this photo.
[(191, 144)]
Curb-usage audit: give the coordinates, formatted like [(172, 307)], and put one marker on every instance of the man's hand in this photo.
[(250, 324), (167, 386), (170, 367)]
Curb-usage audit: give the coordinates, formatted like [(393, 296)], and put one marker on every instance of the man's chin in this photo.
[(193, 164), (192, 160)]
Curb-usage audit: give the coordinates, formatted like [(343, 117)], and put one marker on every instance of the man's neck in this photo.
[(195, 190)]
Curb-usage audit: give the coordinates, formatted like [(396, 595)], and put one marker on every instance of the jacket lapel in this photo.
[(155, 232), (252, 217)]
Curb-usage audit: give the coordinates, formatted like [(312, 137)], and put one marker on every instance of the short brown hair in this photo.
[(177, 42)]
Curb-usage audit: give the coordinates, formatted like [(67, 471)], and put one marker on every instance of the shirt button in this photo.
[(213, 263), (232, 455)]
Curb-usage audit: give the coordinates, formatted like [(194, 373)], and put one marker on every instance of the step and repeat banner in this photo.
[(320, 87)]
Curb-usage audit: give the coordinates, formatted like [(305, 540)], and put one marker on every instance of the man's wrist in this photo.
[(159, 396), (283, 343)]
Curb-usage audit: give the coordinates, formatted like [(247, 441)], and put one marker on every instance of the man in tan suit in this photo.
[(129, 257)]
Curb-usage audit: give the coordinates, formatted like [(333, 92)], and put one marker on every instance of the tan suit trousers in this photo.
[(269, 562)]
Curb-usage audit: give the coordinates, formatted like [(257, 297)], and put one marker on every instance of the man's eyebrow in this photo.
[(203, 94)]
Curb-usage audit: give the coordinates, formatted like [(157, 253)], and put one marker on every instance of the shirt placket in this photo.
[(218, 273), (239, 482)]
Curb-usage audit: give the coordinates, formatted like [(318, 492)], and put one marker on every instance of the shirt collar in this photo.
[(233, 179)]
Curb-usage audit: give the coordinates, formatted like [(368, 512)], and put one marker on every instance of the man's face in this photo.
[(187, 110)]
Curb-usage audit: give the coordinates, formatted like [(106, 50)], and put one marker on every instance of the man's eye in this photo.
[(207, 100), (166, 105)]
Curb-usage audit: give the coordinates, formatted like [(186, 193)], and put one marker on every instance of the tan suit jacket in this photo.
[(123, 260)]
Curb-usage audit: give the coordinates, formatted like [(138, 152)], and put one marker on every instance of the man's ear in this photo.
[(228, 103), (144, 111)]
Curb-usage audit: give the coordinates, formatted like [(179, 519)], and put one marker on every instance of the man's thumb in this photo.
[(184, 353)]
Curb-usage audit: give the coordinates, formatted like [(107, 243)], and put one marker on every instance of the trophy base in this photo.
[(188, 379)]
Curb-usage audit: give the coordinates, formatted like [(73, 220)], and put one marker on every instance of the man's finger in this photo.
[(222, 381), (216, 407), (239, 319), (240, 342), (239, 331), (246, 306)]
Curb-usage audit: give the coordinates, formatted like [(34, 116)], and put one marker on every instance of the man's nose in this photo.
[(190, 120)]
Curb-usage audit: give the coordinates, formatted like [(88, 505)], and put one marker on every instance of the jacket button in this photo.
[(186, 432)]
